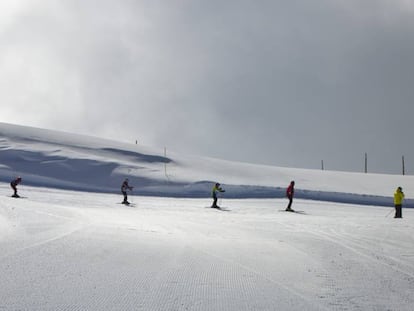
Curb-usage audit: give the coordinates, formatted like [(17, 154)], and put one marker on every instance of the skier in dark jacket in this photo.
[(216, 188), (14, 184), (125, 186), (290, 191)]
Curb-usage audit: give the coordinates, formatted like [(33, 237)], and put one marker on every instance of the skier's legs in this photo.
[(14, 189), (125, 196), (288, 208), (214, 201), (398, 211)]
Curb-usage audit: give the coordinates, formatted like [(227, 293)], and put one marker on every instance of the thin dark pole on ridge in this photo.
[(403, 166), (366, 163)]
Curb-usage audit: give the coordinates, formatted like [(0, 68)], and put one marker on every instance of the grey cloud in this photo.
[(278, 82)]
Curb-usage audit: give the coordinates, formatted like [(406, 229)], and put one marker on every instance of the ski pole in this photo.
[(132, 197), (389, 213)]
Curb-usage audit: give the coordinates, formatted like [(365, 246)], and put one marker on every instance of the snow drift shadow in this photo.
[(46, 170)]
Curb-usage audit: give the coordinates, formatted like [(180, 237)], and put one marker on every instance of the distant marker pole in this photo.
[(366, 163), (165, 163)]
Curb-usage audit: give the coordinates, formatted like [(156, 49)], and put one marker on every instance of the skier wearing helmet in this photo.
[(125, 186), (216, 188), (13, 185)]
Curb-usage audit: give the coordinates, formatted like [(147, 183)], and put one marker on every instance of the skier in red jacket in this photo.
[(290, 191), (14, 184)]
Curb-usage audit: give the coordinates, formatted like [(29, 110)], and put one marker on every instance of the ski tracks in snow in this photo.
[(33, 224), (354, 255), (169, 254), (223, 250)]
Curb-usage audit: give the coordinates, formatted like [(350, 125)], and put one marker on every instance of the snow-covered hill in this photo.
[(67, 161), (62, 249)]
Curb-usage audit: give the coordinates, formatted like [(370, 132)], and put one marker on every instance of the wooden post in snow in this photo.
[(403, 166), (165, 163), (366, 163)]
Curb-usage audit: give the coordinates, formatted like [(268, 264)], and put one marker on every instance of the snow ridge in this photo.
[(46, 158)]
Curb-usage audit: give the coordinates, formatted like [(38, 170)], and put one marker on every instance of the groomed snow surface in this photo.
[(66, 250)]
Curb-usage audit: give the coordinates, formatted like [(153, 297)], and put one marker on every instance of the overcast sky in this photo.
[(281, 82)]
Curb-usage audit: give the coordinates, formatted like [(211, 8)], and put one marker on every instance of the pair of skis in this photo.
[(18, 197), (128, 204), (292, 211)]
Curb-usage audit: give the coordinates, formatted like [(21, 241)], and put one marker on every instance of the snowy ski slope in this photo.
[(65, 249)]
